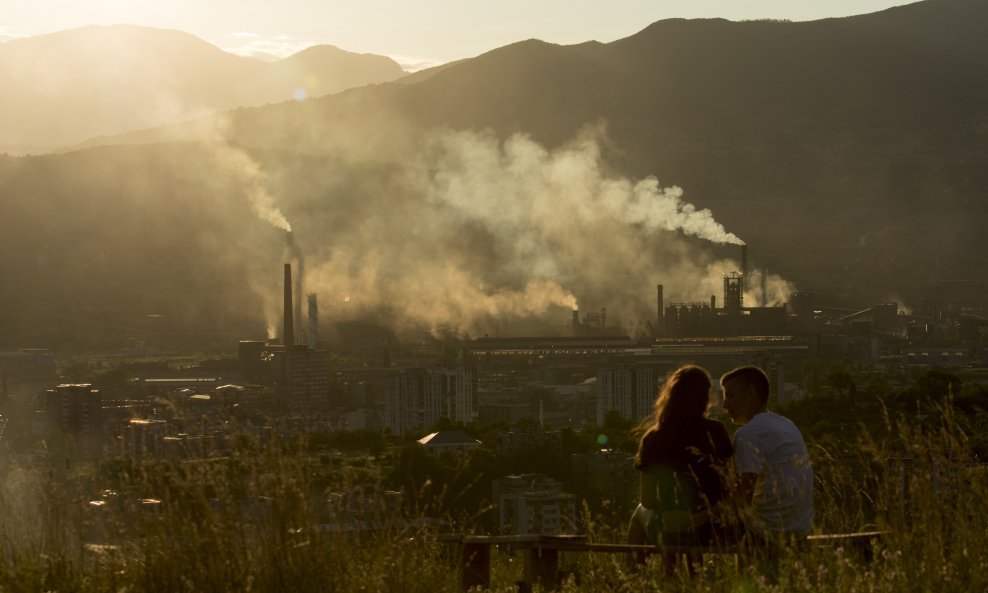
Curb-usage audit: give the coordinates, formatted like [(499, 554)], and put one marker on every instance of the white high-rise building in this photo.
[(628, 390), (415, 399)]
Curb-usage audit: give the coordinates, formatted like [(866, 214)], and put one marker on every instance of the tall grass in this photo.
[(246, 523)]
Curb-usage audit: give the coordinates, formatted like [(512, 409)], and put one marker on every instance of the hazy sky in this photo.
[(415, 32)]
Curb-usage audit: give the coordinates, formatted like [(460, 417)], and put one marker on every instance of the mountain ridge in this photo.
[(101, 80), (848, 153)]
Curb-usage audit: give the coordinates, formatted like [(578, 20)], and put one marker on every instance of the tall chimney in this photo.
[(299, 336), (660, 318), (713, 302), (576, 321), (288, 330), (313, 318), (744, 267), (764, 288)]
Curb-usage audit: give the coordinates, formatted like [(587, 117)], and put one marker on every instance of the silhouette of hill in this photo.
[(64, 87), (849, 153), (874, 123)]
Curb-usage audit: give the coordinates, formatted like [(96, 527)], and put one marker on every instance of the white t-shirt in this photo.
[(772, 447)]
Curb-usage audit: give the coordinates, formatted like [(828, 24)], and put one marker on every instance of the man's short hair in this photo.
[(750, 375)]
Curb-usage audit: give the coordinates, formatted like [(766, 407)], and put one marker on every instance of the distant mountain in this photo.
[(852, 147), (64, 87), (848, 153)]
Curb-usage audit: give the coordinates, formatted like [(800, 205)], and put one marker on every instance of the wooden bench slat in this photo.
[(542, 551), (837, 536)]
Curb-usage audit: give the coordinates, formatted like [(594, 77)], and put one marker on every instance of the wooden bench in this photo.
[(541, 552)]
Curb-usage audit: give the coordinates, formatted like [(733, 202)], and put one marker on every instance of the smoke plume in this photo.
[(238, 165), (476, 230), (767, 289)]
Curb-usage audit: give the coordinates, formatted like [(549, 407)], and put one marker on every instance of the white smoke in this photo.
[(767, 289), (252, 183), (234, 162), (476, 175), (475, 230)]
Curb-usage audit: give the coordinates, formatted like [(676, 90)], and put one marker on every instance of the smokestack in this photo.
[(313, 337), (744, 266), (576, 321), (660, 318), (295, 254), (299, 328), (713, 302), (764, 289), (288, 331)]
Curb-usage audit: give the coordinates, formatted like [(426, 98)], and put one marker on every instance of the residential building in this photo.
[(533, 504), (301, 379), (415, 399), (144, 438), (74, 419), (629, 390)]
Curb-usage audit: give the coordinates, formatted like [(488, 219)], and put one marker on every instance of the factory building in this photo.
[(705, 319), (594, 323), (301, 374), (295, 369)]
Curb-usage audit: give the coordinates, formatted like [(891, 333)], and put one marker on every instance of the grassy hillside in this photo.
[(248, 522)]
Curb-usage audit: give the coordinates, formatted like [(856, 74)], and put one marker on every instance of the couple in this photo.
[(696, 484)]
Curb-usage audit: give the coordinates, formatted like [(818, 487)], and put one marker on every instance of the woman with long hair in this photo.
[(682, 457)]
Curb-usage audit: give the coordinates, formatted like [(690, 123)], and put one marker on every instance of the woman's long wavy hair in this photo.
[(683, 400)]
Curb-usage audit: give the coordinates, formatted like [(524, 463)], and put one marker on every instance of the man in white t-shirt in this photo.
[(775, 478)]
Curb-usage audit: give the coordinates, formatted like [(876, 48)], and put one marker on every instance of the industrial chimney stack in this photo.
[(288, 331), (299, 336), (744, 267), (660, 318), (313, 333)]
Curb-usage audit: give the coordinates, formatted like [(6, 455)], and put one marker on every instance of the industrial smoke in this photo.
[(238, 164), (476, 229)]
